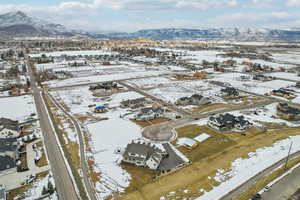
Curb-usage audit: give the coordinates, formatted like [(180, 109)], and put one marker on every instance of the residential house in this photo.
[(9, 128), (143, 154), (229, 92), (2, 192), (106, 86), (227, 122), (288, 112), (195, 99), (8, 155), (149, 113), (283, 93), (133, 103)]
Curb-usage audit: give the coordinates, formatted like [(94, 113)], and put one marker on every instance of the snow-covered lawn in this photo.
[(17, 108), (36, 191), (243, 169), (106, 136), (286, 75)]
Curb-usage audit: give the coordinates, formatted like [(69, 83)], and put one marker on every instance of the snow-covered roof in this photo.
[(186, 141), (202, 137)]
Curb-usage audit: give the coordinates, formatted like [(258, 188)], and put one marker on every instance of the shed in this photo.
[(188, 142)]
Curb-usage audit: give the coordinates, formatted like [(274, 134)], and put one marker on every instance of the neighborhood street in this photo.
[(63, 181), (285, 187)]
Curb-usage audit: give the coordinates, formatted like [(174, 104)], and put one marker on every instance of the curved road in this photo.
[(164, 132), (83, 161)]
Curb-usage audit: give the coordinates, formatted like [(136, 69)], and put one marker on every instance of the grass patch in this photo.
[(214, 144), (211, 155)]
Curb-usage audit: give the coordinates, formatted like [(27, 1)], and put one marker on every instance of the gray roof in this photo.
[(140, 148), (7, 162), (9, 124), (8, 144)]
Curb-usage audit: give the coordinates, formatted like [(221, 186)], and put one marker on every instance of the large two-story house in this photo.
[(195, 99), (227, 122), (149, 113), (8, 155), (143, 154)]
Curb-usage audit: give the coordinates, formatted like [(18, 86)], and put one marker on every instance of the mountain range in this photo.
[(18, 24)]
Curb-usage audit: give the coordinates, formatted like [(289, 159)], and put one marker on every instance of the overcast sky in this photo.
[(132, 15)]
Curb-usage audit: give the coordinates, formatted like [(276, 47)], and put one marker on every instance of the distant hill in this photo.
[(209, 34), (19, 24)]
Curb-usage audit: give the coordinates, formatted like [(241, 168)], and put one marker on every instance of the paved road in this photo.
[(164, 132), (243, 187), (155, 99), (284, 188), (64, 185), (83, 161)]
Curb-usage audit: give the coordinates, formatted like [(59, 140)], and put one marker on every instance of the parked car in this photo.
[(267, 188), (257, 196)]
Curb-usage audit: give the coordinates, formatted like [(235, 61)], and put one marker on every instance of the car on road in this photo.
[(267, 188), (257, 196)]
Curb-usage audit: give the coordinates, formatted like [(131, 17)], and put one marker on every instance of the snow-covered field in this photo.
[(100, 78), (73, 53), (17, 108), (173, 91), (286, 75), (107, 136), (243, 169), (251, 85), (150, 82)]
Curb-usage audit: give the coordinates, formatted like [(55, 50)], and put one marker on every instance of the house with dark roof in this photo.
[(227, 122), (195, 99), (9, 128), (143, 154), (283, 93), (288, 112), (149, 113), (133, 103), (229, 92), (8, 155)]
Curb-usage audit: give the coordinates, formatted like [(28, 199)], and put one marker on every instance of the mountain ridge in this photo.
[(15, 24)]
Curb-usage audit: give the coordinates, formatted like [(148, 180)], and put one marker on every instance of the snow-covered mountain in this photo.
[(240, 34), (18, 23)]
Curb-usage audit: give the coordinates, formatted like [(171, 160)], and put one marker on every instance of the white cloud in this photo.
[(293, 2)]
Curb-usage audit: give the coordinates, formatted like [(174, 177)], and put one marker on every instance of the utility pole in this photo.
[(287, 158)]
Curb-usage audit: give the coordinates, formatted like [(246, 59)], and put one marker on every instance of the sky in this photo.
[(133, 15)]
